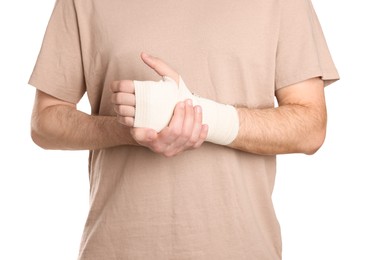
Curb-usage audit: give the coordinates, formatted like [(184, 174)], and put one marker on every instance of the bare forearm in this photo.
[(286, 129), (63, 127)]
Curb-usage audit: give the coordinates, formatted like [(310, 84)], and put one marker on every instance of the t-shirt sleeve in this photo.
[(302, 51), (59, 69)]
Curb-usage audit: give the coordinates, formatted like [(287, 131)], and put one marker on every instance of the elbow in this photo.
[(38, 139), (39, 133), (314, 142), (315, 134), (35, 134)]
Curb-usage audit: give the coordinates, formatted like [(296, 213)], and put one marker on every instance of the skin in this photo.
[(57, 124), (297, 125)]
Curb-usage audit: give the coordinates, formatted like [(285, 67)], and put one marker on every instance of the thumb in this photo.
[(159, 66)]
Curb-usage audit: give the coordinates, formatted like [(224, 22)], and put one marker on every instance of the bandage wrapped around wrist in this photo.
[(156, 100)]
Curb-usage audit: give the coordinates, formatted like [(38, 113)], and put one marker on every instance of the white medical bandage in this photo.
[(155, 103)]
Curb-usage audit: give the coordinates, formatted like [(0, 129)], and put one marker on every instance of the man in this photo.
[(189, 187)]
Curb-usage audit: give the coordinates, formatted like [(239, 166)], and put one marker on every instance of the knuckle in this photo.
[(120, 110), (121, 120), (114, 98), (121, 85), (129, 121), (113, 85), (115, 109)]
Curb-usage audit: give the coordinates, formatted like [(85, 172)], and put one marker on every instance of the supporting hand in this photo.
[(184, 132), (185, 129)]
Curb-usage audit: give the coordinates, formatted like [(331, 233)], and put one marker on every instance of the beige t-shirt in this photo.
[(210, 203)]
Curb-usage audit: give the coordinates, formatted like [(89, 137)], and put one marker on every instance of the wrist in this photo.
[(222, 119)]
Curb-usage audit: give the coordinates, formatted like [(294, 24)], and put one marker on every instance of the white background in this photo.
[(320, 200)]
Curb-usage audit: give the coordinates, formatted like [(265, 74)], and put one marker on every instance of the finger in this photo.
[(126, 86), (202, 137), (159, 66), (189, 118), (197, 126), (121, 98), (126, 111), (127, 121), (182, 131), (174, 129)]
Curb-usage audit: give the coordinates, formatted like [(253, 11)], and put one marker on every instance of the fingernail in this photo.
[(189, 102), (198, 109)]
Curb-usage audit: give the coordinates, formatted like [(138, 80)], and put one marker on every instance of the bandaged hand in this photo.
[(152, 110), (156, 100)]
